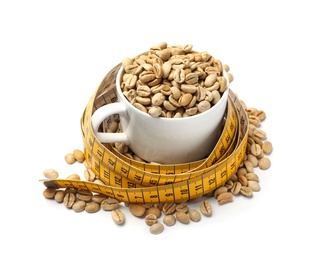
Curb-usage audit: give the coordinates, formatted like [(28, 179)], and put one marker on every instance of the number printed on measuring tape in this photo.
[(132, 181)]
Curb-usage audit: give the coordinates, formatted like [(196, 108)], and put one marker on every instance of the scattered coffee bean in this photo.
[(226, 197), (156, 228), (78, 155), (254, 186), (99, 198), (92, 207), (182, 217), (169, 208), (169, 220), (181, 207), (194, 215), (264, 163), (246, 191), (154, 210), (69, 158), (69, 200), (73, 177), (84, 195), (49, 193), (79, 206), (206, 208), (50, 174), (89, 175), (150, 219), (109, 204), (137, 210), (59, 197), (267, 147), (118, 216)]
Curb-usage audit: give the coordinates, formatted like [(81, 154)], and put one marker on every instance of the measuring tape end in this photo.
[(49, 184)]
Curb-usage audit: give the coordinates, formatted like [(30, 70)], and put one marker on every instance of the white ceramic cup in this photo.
[(159, 139)]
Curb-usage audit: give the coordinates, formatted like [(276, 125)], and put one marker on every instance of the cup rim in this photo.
[(120, 93)]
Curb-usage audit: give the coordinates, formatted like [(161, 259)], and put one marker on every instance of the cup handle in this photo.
[(99, 116)]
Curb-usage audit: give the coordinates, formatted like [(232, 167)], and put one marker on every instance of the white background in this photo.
[(54, 54)]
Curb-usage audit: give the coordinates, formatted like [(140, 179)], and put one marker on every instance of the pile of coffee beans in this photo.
[(173, 81)]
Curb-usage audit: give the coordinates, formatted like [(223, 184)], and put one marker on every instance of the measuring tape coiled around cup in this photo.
[(132, 181)]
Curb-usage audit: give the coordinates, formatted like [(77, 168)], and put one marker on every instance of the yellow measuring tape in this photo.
[(132, 181)]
